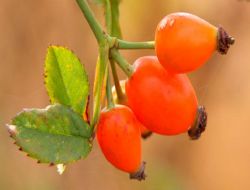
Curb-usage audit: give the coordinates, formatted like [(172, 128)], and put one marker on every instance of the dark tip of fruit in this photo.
[(224, 41), (146, 135), (140, 174), (200, 124)]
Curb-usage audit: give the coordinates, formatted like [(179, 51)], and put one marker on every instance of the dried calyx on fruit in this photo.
[(199, 125), (224, 41)]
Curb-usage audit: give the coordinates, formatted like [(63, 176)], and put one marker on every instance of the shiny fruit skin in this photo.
[(165, 103), (144, 131), (118, 134), (184, 42)]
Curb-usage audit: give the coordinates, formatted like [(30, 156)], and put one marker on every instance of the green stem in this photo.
[(121, 44), (108, 16), (118, 88), (125, 66), (116, 29), (109, 92), (99, 81), (113, 27), (93, 23)]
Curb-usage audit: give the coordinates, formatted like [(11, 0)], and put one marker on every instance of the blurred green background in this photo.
[(220, 160)]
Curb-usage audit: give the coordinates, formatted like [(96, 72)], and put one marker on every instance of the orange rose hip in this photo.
[(145, 133), (163, 102), (184, 42), (118, 134)]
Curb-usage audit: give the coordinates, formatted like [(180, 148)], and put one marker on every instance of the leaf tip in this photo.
[(11, 129)]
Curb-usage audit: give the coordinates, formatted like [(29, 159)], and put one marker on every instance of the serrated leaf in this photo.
[(66, 79), (55, 134)]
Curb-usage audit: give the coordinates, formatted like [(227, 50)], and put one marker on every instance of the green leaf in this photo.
[(66, 79), (55, 134)]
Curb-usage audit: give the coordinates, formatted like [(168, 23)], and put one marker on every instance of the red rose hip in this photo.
[(145, 133), (184, 42), (118, 134), (163, 102)]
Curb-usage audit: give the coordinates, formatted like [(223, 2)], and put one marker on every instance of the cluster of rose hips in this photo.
[(159, 96)]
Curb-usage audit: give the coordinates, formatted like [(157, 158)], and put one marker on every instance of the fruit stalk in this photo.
[(125, 66), (113, 28), (109, 92), (122, 44)]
